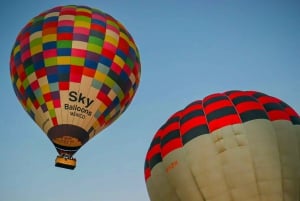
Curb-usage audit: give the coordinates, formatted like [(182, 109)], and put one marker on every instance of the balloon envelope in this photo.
[(231, 146), (74, 69)]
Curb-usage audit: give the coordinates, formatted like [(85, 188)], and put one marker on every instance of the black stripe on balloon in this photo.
[(284, 105), (213, 100), (272, 106), (155, 141), (146, 165), (155, 160), (258, 95), (295, 120), (170, 136), (197, 102), (170, 121), (242, 99), (191, 115), (194, 132), (224, 111), (232, 92), (253, 114)]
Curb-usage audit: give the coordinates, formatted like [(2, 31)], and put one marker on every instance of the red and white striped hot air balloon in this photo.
[(231, 146)]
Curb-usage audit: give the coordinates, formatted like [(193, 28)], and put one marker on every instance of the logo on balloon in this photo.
[(74, 97), (76, 110)]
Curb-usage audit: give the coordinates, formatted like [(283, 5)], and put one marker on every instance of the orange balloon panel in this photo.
[(75, 70), (231, 146)]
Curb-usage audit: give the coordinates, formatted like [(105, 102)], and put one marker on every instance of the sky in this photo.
[(189, 49)]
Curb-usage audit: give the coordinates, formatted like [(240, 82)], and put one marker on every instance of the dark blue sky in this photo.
[(189, 49)]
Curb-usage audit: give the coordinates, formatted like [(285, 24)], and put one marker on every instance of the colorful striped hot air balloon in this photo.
[(74, 69), (231, 146)]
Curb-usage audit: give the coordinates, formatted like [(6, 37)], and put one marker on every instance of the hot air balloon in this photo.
[(230, 146), (75, 70)]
